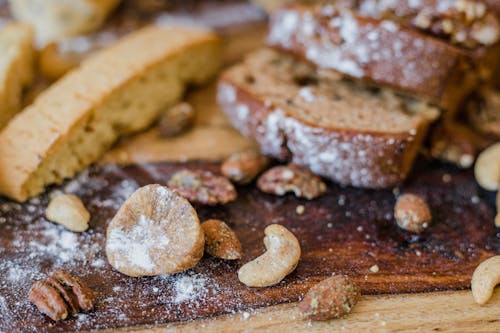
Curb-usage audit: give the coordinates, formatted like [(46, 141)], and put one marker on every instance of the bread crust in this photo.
[(378, 51), (385, 160)]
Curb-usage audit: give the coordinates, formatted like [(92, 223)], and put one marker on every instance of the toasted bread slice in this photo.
[(374, 50), (16, 68), (343, 130), (117, 91)]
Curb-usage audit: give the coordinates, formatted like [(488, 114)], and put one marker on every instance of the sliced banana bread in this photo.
[(16, 68), (376, 50), (343, 130), (117, 91)]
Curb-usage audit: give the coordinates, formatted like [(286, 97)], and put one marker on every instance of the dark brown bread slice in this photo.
[(378, 51), (337, 128)]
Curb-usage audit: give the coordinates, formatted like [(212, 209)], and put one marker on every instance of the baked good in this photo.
[(16, 68), (56, 19), (378, 51), (351, 133), (117, 91)]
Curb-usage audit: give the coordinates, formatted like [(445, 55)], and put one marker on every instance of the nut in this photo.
[(497, 217), (176, 120), (60, 295), (331, 298), (221, 241), (291, 178), (487, 168), (68, 211), (280, 259), (484, 279), (243, 167), (203, 187), (156, 231), (412, 213)]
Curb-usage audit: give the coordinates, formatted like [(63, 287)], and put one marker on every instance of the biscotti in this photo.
[(350, 133), (117, 91), (56, 19), (16, 68), (378, 51)]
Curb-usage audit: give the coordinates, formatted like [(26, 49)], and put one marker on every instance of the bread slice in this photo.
[(378, 51), (16, 68), (56, 19), (348, 132), (117, 91)]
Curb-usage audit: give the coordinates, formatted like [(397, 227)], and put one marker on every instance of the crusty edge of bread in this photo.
[(78, 118), (386, 160)]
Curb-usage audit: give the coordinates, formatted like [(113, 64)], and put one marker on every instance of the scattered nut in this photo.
[(487, 168), (68, 211), (203, 187), (497, 217), (243, 167), (176, 120), (412, 213), (291, 178), (280, 259), (156, 231), (484, 279), (60, 295), (221, 241), (331, 298)]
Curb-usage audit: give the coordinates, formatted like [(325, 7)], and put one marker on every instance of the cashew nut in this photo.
[(68, 211), (485, 278), (280, 259), (487, 169)]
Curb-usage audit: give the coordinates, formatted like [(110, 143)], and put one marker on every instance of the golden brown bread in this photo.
[(117, 91)]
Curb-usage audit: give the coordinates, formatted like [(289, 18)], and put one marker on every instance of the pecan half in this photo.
[(203, 187), (291, 178), (61, 294), (243, 167)]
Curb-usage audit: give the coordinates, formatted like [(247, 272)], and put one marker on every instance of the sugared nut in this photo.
[(331, 298), (176, 120), (291, 178), (155, 232), (243, 167), (280, 259), (221, 241), (60, 295), (487, 172), (68, 211), (487, 168), (203, 187), (412, 213), (484, 279)]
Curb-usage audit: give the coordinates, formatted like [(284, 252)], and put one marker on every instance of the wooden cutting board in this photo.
[(447, 255)]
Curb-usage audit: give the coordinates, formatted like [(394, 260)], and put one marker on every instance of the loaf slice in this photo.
[(343, 130), (117, 91), (378, 51), (483, 112), (57, 19), (16, 68)]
